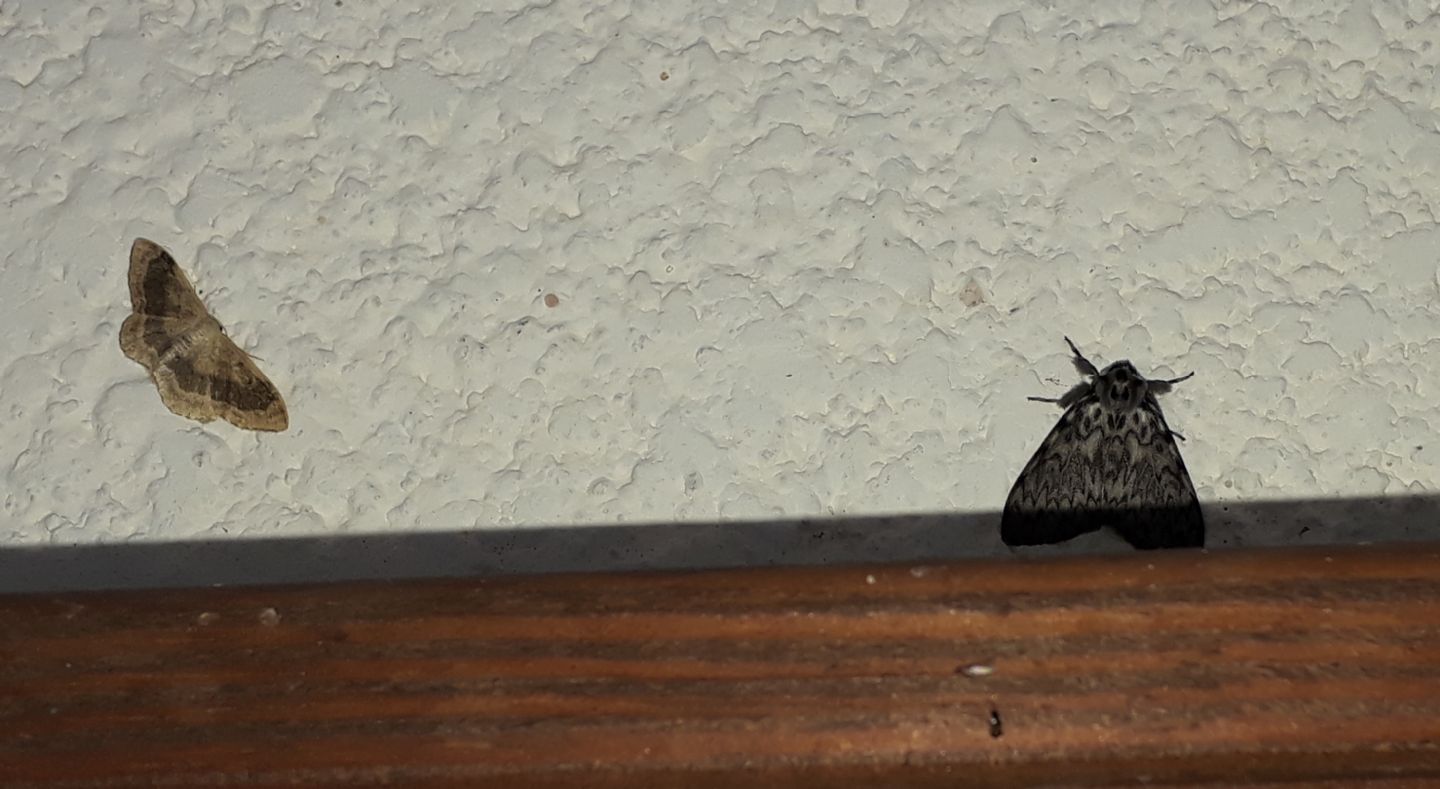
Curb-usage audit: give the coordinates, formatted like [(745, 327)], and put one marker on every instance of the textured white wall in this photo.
[(810, 256)]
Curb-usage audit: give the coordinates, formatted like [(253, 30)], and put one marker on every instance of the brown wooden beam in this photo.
[(1179, 669)]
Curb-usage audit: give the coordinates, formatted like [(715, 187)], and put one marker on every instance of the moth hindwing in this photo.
[(1112, 461)]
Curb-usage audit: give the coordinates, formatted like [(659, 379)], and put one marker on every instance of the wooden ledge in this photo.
[(1241, 668)]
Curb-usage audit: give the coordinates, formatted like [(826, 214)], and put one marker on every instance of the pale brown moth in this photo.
[(200, 372)]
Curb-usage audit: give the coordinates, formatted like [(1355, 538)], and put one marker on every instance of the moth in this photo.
[(200, 372), (1112, 461)]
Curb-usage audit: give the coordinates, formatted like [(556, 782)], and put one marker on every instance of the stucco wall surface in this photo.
[(808, 258)]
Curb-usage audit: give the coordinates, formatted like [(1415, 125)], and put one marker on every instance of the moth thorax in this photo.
[(1120, 386)]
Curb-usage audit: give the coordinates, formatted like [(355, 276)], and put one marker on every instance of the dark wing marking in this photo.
[(157, 285)]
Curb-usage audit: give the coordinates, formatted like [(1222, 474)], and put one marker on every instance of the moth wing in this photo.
[(1156, 507), (157, 285), (1094, 470), (145, 338), (209, 376), (1046, 503)]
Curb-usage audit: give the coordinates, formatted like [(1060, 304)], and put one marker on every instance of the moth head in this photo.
[(1120, 386)]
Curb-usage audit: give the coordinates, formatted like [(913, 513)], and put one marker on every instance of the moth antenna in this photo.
[(1161, 387), (1081, 363), (1072, 396)]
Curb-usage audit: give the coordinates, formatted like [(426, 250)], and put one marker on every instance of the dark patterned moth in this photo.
[(1112, 461)]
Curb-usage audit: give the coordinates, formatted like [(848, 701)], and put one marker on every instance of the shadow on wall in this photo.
[(670, 546)]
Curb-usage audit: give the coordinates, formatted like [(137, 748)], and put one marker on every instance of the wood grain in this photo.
[(1180, 669)]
